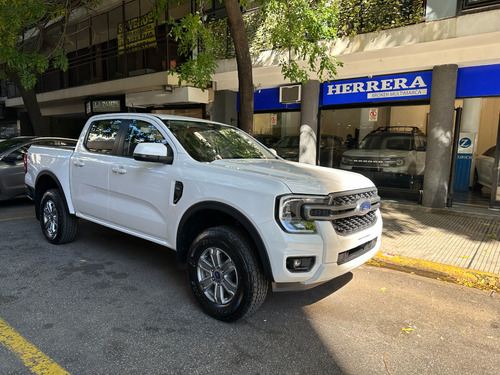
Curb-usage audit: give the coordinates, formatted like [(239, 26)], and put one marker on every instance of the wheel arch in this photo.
[(209, 214), (46, 181)]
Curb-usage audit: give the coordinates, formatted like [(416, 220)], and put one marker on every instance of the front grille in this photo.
[(349, 218), (348, 199), (371, 162), (353, 224), (348, 211)]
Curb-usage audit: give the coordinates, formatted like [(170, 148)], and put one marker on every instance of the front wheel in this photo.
[(224, 274), (58, 225)]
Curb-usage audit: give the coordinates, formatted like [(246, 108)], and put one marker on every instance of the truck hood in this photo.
[(300, 178)]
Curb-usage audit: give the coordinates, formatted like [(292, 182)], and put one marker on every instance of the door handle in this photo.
[(78, 163), (119, 170)]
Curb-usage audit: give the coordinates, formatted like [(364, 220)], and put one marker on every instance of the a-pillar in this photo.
[(439, 136), (309, 122)]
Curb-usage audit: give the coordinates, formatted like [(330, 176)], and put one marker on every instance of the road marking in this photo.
[(32, 358), (18, 218)]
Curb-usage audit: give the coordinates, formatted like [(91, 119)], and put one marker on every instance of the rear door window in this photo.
[(102, 136)]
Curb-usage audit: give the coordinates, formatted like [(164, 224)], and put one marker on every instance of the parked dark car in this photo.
[(330, 149), (12, 152)]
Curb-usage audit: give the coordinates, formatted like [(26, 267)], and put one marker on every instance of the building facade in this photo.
[(418, 77)]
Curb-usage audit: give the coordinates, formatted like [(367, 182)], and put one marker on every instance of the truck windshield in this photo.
[(207, 142)]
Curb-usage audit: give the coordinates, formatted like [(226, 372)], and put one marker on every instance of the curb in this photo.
[(470, 278), (457, 210)]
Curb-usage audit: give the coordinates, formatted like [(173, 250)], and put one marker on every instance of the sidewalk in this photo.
[(459, 244)]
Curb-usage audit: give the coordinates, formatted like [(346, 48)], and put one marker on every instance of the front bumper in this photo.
[(388, 177), (334, 254)]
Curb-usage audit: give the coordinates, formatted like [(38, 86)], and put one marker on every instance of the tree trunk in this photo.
[(40, 125), (245, 78)]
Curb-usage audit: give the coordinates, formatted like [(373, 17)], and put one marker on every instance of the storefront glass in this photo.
[(481, 121), (282, 127), (385, 143)]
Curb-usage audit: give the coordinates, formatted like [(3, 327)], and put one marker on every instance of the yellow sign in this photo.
[(136, 34)]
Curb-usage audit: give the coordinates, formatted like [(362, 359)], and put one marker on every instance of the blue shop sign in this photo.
[(478, 81), (410, 86), (268, 99)]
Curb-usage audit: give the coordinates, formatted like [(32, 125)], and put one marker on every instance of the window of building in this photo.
[(478, 4)]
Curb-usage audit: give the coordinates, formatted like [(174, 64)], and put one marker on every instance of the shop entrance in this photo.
[(385, 143), (477, 185)]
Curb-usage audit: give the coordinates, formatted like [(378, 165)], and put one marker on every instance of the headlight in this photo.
[(346, 160), (400, 162), (290, 214)]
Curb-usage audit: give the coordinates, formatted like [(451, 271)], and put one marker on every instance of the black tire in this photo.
[(58, 225), (225, 276), (416, 183)]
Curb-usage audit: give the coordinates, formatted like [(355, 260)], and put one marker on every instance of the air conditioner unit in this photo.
[(290, 94)]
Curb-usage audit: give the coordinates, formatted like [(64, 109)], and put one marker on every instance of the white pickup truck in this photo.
[(240, 218)]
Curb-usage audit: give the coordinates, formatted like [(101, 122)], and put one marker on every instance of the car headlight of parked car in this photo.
[(399, 161), (347, 160)]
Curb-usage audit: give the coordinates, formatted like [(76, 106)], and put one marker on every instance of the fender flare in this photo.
[(38, 194), (235, 214)]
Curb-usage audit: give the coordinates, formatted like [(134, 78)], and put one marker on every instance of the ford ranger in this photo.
[(241, 219)]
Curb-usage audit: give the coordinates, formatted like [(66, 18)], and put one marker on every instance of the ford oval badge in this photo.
[(365, 207)]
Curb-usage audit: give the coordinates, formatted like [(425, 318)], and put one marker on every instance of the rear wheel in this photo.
[(225, 275), (58, 225)]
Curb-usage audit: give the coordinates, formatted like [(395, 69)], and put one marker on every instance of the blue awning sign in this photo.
[(383, 88)]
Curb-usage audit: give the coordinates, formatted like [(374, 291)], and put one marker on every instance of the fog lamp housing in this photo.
[(300, 264)]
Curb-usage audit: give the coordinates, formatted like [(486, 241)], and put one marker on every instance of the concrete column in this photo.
[(225, 104), (309, 122), (439, 136)]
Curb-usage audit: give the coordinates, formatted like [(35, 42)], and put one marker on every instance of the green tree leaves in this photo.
[(363, 16), (196, 39), (299, 30), (26, 48)]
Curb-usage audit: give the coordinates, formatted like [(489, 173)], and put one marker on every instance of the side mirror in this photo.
[(154, 153)]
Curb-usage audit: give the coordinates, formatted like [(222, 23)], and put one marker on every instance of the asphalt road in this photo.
[(108, 303)]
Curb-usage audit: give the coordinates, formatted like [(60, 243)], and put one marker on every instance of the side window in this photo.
[(102, 135), (138, 132)]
